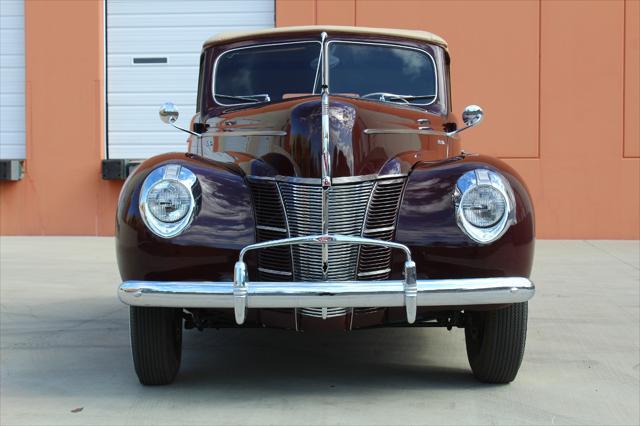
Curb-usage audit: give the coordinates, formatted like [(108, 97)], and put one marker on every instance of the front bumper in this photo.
[(410, 292)]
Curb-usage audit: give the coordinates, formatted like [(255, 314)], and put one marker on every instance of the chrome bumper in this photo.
[(410, 292)]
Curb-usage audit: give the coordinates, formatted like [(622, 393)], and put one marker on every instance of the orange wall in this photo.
[(561, 105), (62, 192)]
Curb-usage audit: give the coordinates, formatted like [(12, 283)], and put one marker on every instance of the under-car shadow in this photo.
[(287, 362)]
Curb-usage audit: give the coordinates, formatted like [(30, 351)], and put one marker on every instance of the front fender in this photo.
[(209, 247), (427, 224)]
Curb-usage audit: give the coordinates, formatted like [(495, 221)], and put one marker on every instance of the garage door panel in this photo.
[(13, 61), (144, 151), (12, 100), (163, 138), (200, 20), (12, 151), (181, 99), (174, 33), (12, 118), (11, 22), (12, 81), (11, 8), (175, 59), (178, 9), (145, 79), (10, 41)]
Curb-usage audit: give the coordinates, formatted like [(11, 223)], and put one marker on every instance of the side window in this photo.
[(200, 78), (449, 102)]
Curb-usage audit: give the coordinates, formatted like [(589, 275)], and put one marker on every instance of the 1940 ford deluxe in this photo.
[(325, 187)]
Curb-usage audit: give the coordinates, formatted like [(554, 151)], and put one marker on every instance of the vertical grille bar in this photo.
[(374, 262), (274, 264)]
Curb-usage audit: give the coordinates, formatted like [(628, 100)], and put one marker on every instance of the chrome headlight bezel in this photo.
[(478, 178), (180, 175)]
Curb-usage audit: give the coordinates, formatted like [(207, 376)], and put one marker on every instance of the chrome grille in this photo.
[(292, 209), (274, 264), (374, 261), (347, 209)]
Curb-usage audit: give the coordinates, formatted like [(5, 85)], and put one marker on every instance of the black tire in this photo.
[(156, 343), (495, 342)]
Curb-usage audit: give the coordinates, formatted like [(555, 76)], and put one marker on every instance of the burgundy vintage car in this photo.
[(325, 188)]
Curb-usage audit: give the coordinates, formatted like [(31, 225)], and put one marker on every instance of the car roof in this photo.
[(229, 36)]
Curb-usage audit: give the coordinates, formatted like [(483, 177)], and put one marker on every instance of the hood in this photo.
[(366, 137)]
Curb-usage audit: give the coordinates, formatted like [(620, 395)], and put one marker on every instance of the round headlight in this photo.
[(169, 201), (483, 206)]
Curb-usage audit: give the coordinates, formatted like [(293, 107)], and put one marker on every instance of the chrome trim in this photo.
[(172, 172), (215, 66), (326, 155), (346, 294), (226, 133), (323, 313), (271, 228), (369, 273), (484, 177), (407, 131), (435, 68), (386, 228), (325, 239), (334, 180), (326, 173), (275, 272), (292, 179)]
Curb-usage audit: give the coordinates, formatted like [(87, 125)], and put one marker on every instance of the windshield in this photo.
[(274, 72), (266, 73), (384, 72)]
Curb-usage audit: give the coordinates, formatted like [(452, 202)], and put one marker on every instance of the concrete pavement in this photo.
[(65, 347)]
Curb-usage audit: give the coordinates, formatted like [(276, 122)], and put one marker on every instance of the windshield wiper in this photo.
[(411, 97), (263, 97), (392, 97)]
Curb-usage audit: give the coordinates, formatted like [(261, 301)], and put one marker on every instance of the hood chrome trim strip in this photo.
[(335, 181), (326, 154)]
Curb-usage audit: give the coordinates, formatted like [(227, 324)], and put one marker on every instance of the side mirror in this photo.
[(168, 113), (471, 116)]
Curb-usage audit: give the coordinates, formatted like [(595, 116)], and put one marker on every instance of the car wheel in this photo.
[(495, 342), (156, 343)]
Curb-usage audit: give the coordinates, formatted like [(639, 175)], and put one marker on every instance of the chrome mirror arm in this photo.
[(471, 116), (462, 129), (186, 130)]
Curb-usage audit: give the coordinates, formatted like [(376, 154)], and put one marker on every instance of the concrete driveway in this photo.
[(65, 355)]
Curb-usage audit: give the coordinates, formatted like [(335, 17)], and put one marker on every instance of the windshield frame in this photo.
[(254, 46), (401, 46)]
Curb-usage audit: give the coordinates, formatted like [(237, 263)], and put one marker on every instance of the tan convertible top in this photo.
[(413, 34)]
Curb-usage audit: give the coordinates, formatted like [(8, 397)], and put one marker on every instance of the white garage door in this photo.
[(12, 124), (153, 54)]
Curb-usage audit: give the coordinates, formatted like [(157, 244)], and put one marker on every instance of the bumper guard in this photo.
[(410, 292)]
